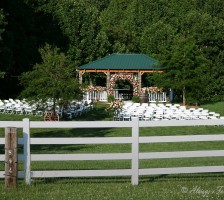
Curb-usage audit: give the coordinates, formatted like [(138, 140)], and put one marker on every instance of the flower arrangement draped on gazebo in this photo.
[(151, 90), (123, 76), (95, 88)]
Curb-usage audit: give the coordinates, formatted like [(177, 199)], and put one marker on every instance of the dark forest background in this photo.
[(186, 36)]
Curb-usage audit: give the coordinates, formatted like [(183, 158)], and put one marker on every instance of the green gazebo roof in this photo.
[(119, 61)]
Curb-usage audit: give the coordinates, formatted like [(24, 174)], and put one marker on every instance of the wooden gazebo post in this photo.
[(139, 82), (80, 76), (108, 80)]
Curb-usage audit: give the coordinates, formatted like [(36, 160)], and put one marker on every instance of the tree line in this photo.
[(186, 36)]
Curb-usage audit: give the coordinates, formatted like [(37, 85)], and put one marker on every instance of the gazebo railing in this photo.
[(95, 96), (102, 96), (157, 97)]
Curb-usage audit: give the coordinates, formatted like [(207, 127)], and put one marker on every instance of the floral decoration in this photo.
[(115, 105), (123, 76), (151, 90), (95, 88)]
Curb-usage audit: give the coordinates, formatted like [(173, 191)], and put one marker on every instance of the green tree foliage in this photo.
[(2, 23), (207, 32), (214, 7), (79, 21), (54, 78), (185, 69), (26, 30), (18, 47), (157, 37), (189, 32), (215, 88)]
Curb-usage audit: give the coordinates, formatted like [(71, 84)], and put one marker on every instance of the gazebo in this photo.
[(119, 66)]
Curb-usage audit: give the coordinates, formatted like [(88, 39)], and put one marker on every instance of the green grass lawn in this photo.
[(215, 107), (188, 186)]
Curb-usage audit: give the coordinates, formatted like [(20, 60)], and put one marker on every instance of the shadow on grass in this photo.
[(127, 179), (97, 114), (181, 177), (73, 133), (82, 180)]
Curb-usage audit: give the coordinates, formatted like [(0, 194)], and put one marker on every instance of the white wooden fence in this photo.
[(134, 140)]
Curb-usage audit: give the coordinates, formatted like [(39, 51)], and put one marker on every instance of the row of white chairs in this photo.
[(19, 107), (154, 111), (75, 109), (24, 107)]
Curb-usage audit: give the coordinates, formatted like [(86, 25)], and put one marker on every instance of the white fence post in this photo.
[(135, 151), (26, 139)]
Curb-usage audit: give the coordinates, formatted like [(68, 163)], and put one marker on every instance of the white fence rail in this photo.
[(134, 155)]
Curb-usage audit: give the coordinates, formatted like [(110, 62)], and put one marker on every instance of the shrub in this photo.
[(136, 99), (110, 98)]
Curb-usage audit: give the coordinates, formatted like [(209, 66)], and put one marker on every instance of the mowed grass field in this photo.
[(182, 186)]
